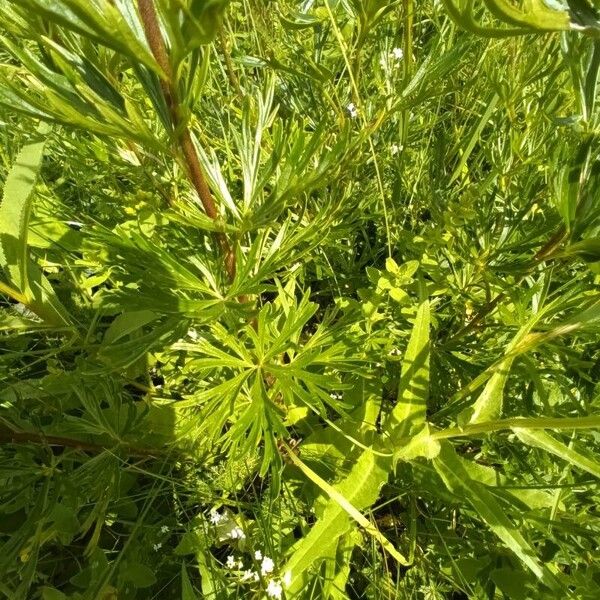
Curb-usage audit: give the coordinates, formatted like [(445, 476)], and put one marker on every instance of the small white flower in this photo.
[(287, 578), (237, 533), (397, 53), (394, 149), (258, 555), (352, 110), (230, 562), (157, 546), (249, 575), (274, 589), (214, 517), (164, 529), (240, 565), (193, 334), (267, 565)]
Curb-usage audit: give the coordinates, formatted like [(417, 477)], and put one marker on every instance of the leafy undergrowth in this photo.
[(299, 299)]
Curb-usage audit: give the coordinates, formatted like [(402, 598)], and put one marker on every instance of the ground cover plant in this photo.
[(299, 299)]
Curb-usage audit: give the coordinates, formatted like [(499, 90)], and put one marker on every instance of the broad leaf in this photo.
[(357, 492)]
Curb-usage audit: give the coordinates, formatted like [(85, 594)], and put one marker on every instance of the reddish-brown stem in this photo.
[(154, 37), (186, 145), (25, 437), (544, 254)]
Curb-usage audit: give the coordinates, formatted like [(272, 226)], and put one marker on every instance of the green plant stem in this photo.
[(184, 140), (544, 254), (590, 422), (233, 80), (14, 294)]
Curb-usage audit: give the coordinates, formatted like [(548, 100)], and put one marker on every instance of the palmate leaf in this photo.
[(67, 87), (101, 21), (23, 274)]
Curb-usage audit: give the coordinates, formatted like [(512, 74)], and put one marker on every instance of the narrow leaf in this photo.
[(408, 415), (543, 440), (355, 493), (187, 590), (458, 481), (15, 210)]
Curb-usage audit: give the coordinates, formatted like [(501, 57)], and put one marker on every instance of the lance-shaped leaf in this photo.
[(23, 274), (540, 439), (355, 493), (528, 16), (458, 481), (488, 405), (408, 416)]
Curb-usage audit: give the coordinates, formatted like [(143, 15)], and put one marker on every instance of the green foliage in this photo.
[(299, 300)]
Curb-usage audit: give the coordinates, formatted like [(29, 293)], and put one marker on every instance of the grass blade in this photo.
[(543, 440), (357, 492), (458, 481)]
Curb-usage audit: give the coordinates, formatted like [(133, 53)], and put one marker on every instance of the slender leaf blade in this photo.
[(408, 415), (458, 481)]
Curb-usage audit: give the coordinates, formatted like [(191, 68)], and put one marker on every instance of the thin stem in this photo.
[(185, 143), (543, 255), (25, 437), (233, 80)]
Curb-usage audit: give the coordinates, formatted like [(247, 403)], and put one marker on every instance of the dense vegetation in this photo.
[(299, 299)]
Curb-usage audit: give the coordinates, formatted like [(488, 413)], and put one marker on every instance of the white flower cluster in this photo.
[(266, 564), (215, 517), (263, 567), (158, 545), (230, 528)]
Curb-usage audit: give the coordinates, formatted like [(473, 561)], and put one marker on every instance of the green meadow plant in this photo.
[(299, 299)]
